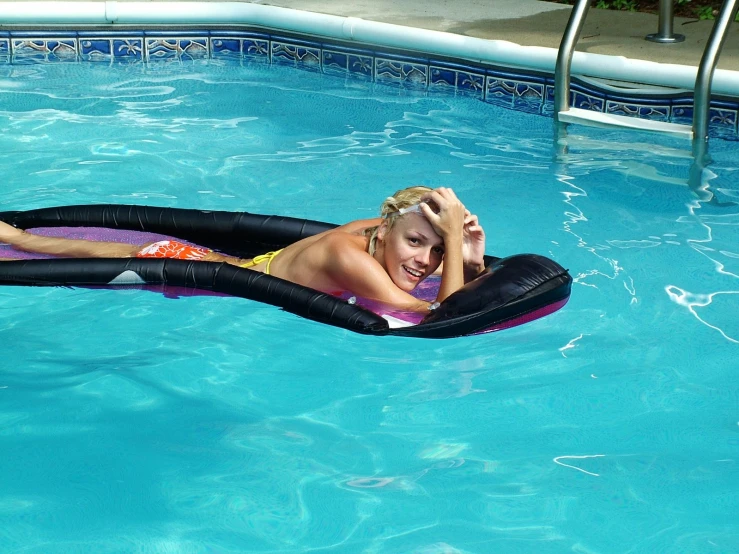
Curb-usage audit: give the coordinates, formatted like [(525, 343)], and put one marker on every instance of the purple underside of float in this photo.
[(99, 234), (427, 290), (104, 234)]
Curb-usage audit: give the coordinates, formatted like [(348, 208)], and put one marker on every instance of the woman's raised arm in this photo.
[(449, 224)]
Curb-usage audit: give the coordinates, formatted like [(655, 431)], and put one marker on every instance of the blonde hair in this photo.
[(390, 210)]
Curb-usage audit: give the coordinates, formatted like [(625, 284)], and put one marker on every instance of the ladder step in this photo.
[(600, 119)]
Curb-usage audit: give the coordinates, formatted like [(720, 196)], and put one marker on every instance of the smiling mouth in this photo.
[(413, 272)]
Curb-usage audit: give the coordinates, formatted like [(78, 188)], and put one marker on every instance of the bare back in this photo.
[(337, 260)]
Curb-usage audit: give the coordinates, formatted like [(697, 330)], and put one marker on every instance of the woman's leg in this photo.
[(67, 248)]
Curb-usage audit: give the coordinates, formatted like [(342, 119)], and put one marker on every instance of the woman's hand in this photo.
[(473, 245), (449, 220)]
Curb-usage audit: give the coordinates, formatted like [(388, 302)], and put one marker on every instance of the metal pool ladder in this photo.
[(563, 113)]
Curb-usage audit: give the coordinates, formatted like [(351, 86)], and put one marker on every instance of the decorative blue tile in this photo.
[(176, 48), (255, 48), (128, 49), (682, 114), (335, 62), (532, 91), (44, 49), (471, 82), (194, 49), (346, 62), (226, 47), (465, 82), (161, 49), (587, 102), (722, 117), (442, 77), (235, 44), (655, 113), (400, 72), (511, 88), (528, 97), (500, 92), (547, 108), (111, 45), (722, 122), (96, 50), (64, 49), (305, 57), (622, 108), (360, 65)]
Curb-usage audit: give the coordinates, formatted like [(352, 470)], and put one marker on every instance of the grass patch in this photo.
[(696, 9)]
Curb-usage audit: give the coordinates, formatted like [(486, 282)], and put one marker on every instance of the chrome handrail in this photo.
[(664, 34), (564, 56), (704, 78)]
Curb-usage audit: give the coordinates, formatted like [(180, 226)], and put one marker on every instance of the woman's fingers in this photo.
[(441, 195), (436, 197), (427, 211), (444, 211), (470, 219)]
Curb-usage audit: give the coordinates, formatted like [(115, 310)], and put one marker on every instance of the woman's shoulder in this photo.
[(350, 235), (336, 243), (343, 239), (329, 262), (359, 226)]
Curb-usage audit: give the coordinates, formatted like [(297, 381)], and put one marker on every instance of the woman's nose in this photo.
[(423, 256)]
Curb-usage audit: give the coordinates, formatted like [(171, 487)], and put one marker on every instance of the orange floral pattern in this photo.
[(172, 249)]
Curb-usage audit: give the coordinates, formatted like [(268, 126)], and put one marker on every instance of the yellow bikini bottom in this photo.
[(268, 257)]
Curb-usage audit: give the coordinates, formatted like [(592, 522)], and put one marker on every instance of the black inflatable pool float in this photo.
[(510, 291)]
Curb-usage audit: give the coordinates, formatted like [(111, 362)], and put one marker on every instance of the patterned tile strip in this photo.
[(500, 86), (4, 50)]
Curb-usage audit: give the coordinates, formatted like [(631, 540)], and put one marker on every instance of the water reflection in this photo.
[(708, 224)]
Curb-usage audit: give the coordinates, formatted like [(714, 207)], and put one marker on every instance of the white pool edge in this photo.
[(619, 68)]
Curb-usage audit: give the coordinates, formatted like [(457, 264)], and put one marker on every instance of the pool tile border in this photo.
[(526, 91)]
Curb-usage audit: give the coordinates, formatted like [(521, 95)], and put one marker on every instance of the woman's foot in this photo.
[(8, 233)]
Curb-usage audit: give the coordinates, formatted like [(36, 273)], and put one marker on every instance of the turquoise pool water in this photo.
[(130, 422)]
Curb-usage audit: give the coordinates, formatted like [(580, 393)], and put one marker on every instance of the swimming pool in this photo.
[(135, 422)]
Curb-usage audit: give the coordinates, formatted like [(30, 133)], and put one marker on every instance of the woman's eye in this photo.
[(438, 250), (414, 240)]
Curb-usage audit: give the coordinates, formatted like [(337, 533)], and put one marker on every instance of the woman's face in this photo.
[(410, 251)]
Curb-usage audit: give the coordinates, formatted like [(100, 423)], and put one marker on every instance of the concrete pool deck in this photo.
[(534, 23)]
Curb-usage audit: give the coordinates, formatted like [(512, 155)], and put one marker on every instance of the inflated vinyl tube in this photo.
[(509, 292)]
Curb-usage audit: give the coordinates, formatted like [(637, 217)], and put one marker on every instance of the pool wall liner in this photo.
[(507, 289), (357, 30), (605, 90)]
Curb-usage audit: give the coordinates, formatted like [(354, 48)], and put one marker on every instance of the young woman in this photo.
[(383, 259)]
